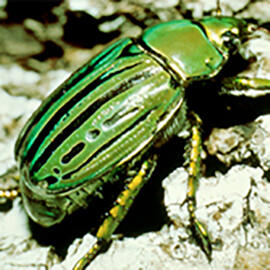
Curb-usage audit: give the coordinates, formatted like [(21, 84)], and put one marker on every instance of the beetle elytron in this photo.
[(113, 112)]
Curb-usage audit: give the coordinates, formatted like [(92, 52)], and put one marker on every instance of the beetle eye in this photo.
[(231, 41)]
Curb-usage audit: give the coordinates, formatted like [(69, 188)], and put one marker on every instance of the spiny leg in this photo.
[(118, 212), (244, 83), (198, 229)]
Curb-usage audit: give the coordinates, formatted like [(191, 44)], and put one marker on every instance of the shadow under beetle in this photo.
[(112, 114)]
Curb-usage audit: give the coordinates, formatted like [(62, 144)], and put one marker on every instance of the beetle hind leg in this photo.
[(117, 213), (9, 193), (198, 229)]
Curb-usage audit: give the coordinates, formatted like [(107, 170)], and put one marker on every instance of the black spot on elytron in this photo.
[(50, 180), (106, 145), (92, 134), (73, 152), (56, 170)]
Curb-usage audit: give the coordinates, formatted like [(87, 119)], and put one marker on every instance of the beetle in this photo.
[(111, 115)]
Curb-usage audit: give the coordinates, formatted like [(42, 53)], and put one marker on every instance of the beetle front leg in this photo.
[(118, 212), (197, 227), (244, 83)]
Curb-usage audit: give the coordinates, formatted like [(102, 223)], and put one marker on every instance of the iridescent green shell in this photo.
[(129, 98)]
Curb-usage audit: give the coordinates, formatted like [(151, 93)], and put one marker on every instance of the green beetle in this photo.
[(108, 118)]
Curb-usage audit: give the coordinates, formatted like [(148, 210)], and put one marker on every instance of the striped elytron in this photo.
[(111, 115)]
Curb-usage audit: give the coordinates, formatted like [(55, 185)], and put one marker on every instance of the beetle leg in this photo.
[(245, 83), (9, 193), (118, 212), (197, 227)]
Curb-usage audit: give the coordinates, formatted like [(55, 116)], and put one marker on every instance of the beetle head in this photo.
[(226, 33)]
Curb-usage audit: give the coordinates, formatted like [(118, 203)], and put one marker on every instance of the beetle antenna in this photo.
[(218, 11)]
